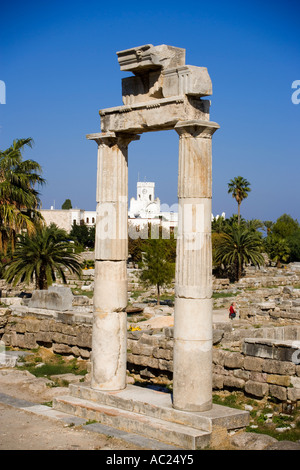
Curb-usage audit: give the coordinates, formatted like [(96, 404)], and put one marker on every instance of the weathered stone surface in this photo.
[(149, 57), (257, 389), (151, 340), (283, 380), (110, 286), (258, 376), (252, 441), (293, 394), (20, 327), (295, 381), (83, 353), (217, 381), (44, 337), (64, 339), (141, 349), (253, 363), (270, 348), (160, 114), (233, 382), (84, 337), (164, 364), (55, 298), (234, 360), (186, 80), (143, 360), (32, 326), (278, 392), (160, 353), (217, 336), (109, 346), (242, 374), (26, 341), (284, 445), (279, 367), (218, 356), (62, 349)]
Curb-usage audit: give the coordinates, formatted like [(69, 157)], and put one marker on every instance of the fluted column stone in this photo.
[(192, 372), (109, 337)]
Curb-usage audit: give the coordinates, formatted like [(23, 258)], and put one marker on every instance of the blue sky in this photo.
[(58, 61)]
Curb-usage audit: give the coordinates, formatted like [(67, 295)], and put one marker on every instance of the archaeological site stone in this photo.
[(55, 298), (162, 94)]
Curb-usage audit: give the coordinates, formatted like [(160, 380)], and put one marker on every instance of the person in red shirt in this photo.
[(232, 311)]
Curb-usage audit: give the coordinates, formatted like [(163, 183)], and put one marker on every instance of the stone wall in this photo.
[(258, 371), (62, 332), (277, 304), (257, 375), (258, 361)]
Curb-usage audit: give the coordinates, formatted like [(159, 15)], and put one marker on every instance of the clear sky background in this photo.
[(58, 61)]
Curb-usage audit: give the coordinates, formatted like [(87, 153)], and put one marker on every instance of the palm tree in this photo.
[(19, 200), (218, 225), (268, 225), (277, 248), (238, 247), (41, 257), (239, 187), (254, 225)]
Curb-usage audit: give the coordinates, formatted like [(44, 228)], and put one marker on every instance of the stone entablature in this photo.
[(146, 116)]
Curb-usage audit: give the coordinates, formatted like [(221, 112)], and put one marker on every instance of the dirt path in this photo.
[(21, 430), (25, 430)]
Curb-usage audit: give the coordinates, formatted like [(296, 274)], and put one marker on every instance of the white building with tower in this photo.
[(145, 206), (143, 209)]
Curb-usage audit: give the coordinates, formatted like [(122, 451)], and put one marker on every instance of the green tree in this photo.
[(83, 236), (277, 249), (157, 270), (285, 226), (67, 204), (19, 200), (239, 187), (238, 247), (135, 249), (294, 246), (254, 225), (41, 257), (218, 225), (268, 225)]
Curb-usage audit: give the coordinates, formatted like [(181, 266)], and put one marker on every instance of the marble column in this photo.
[(192, 369), (109, 336)]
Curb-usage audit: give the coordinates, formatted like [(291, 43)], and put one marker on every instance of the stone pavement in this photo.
[(25, 425)]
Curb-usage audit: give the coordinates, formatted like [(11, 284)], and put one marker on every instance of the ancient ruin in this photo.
[(163, 93), (189, 344)]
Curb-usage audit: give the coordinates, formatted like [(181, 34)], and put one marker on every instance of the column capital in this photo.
[(112, 138), (196, 128)]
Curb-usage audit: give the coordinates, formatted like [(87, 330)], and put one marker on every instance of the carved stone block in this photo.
[(149, 57)]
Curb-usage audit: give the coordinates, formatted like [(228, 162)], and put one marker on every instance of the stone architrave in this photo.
[(163, 93)]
